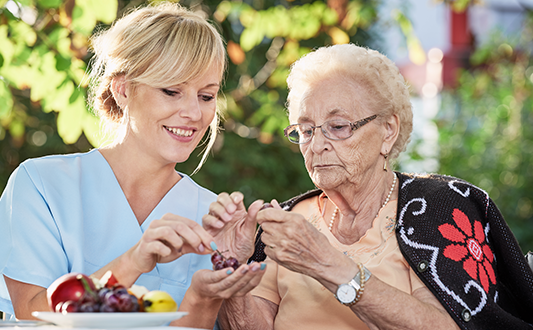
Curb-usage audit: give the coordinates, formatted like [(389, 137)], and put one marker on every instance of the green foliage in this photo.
[(485, 128)]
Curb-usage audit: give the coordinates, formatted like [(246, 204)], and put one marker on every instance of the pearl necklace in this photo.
[(382, 206)]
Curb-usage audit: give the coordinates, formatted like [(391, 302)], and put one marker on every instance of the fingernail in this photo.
[(201, 248), (229, 271), (263, 266), (255, 268), (213, 246), (244, 271)]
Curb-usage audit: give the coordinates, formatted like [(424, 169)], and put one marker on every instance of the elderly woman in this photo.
[(372, 248)]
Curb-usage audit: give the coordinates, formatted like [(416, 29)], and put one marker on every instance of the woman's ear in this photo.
[(392, 126), (119, 90)]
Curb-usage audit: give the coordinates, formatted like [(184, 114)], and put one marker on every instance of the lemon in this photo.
[(157, 301)]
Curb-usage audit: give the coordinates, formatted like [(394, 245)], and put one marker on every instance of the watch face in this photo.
[(346, 293)]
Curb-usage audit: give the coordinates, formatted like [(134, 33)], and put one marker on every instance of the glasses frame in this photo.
[(354, 125)]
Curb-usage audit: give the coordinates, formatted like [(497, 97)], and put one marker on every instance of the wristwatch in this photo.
[(347, 292)]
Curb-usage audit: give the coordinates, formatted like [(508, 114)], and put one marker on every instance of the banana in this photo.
[(158, 302)]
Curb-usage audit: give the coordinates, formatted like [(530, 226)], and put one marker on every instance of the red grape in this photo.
[(216, 257), (232, 262), (220, 262), (219, 265), (266, 206)]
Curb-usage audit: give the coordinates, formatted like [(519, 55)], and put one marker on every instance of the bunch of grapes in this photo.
[(104, 300), (221, 262)]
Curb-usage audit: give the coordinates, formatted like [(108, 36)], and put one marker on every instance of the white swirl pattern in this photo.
[(435, 252)]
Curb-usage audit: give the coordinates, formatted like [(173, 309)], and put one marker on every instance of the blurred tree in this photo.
[(44, 53), (485, 127)]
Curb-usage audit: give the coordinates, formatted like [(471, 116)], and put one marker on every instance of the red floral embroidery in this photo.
[(472, 249)]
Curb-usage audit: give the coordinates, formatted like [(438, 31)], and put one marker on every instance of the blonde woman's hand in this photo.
[(167, 239), (227, 283)]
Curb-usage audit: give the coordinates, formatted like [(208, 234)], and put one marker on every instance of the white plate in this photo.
[(109, 320)]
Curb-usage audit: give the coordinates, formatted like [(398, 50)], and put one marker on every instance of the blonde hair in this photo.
[(386, 90), (158, 45)]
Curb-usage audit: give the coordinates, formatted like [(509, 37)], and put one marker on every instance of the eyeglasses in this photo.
[(333, 130)]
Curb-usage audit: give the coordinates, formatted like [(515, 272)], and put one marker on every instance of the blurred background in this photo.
[(468, 64)]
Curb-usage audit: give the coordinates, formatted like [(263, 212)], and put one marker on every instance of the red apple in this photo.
[(72, 286)]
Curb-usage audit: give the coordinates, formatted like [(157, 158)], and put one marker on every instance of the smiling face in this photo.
[(168, 123), (333, 163)]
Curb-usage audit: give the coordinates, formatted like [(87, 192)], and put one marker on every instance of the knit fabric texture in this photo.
[(456, 240)]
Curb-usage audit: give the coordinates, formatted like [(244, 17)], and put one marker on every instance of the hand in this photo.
[(226, 283), (231, 226), (167, 239), (292, 242)]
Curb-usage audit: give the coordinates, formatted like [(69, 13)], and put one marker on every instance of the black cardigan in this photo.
[(457, 242)]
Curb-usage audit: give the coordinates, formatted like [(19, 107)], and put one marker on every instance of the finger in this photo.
[(155, 248), (207, 244), (275, 204), (218, 210), (159, 230), (212, 221), (226, 205), (273, 215), (237, 197), (250, 224), (181, 232), (243, 280), (212, 224), (194, 236)]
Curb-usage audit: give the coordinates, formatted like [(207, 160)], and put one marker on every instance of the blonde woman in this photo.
[(124, 207)]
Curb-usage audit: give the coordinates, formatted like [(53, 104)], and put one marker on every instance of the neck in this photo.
[(349, 222)]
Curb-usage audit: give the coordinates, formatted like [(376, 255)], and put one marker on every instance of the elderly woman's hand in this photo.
[(294, 243), (232, 227)]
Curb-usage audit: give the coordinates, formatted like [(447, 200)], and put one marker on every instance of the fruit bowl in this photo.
[(109, 320)]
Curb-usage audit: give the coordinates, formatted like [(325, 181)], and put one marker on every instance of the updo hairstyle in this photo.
[(385, 88), (159, 45)]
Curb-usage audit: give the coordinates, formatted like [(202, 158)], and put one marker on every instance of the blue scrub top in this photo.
[(68, 213)]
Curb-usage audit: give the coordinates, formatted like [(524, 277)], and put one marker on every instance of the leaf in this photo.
[(250, 38), (49, 3), (16, 128), (60, 38), (46, 78), (21, 31), (104, 10), (7, 48), (83, 20), (6, 100), (60, 98), (70, 120)]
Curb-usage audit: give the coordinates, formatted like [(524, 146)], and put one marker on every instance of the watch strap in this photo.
[(357, 284)]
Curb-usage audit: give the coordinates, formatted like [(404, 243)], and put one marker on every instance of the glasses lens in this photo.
[(291, 133), (299, 133), (338, 129)]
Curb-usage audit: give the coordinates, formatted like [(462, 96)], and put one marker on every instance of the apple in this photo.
[(70, 287)]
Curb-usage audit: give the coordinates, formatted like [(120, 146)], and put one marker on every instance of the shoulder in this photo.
[(291, 203), (438, 190), (53, 168), (59, 163)]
